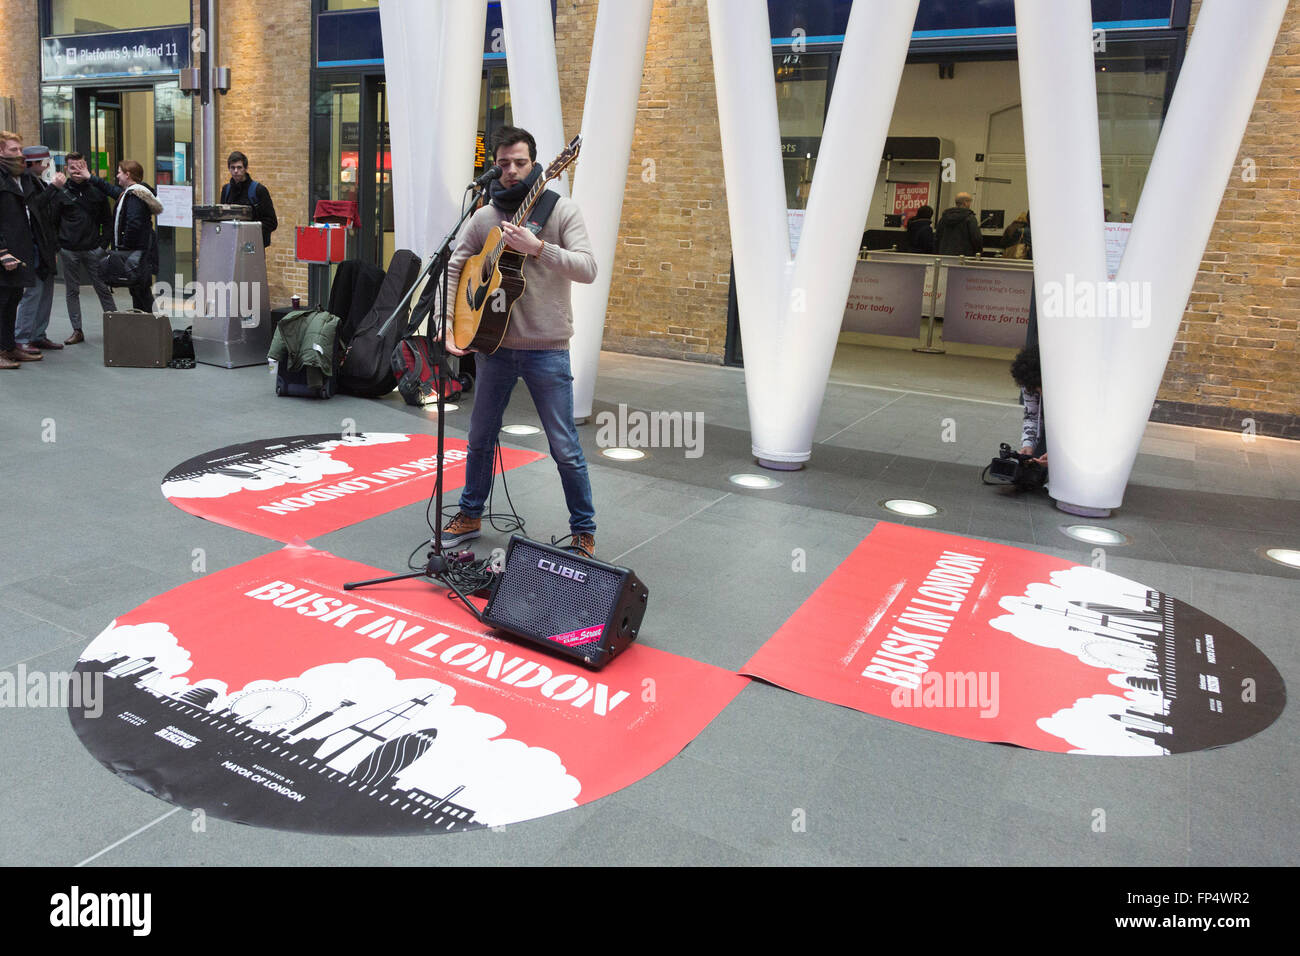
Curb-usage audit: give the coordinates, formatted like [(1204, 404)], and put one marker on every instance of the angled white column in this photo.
[(433, 66), (529, 37), (408, 29), (452, 115), (1058, 97), (790, 312), (1101, 366), (608, 125)]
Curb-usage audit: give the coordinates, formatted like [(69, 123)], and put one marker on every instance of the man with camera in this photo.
[(84, 221)]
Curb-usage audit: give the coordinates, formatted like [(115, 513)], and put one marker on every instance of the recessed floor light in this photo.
[(447, 406), (754, 481), (1286, 556), (1094, 535), (906, 506), (521, 429), (623, 454)]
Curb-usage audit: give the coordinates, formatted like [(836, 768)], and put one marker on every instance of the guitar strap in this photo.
[(542, 210)]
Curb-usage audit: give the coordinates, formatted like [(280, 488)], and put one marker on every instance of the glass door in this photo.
[(173, 172)]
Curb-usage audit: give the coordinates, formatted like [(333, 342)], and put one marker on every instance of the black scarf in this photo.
[(508, 199)]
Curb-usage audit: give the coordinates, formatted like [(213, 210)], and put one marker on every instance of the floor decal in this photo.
[(309, 485), (1001, 644), (267, 695)]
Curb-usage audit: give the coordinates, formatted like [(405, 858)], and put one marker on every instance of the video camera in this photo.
[(1013, 468)]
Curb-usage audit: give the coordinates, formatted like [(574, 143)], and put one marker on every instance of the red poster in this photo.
[(909, 197), (268, 695), (1001, 644), (308, 485)]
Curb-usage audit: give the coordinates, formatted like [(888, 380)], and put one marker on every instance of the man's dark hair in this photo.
[(509, 135), (237, 157), (71, 156), (1026, 370), (925, 212)]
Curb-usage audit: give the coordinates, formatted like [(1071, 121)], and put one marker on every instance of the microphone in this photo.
[(493, 172)]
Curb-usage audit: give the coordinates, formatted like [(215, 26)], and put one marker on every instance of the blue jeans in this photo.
[(550, 382)]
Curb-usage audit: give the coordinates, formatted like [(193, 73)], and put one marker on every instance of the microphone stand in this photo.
[(437, 565)]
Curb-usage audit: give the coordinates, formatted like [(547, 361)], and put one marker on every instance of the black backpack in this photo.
[(366, 368)]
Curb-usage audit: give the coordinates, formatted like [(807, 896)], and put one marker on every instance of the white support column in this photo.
[(790, 312), (433, 113), (1102, 366), (1058, 96), (857, 124), (452, 116), (741, 42), (608, 125), (529, 37)]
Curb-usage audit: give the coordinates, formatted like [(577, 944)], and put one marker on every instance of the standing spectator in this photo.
[(244, 191), (133, 224), (920, 232), (84, 222), (958, 232), (19, 246), (1017, 241), (34, 309)]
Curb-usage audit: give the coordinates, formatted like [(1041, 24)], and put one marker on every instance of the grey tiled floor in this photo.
[(89, 536)]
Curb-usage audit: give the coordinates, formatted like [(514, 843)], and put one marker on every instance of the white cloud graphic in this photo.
[(1091, 727), (300, 466)]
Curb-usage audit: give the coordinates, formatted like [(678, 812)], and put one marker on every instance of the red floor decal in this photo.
[(308, 485), (267, 695), (1001, 644)]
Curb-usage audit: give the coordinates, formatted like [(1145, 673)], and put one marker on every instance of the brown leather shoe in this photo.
[(6, 363), (27, 347), (585, 543), (44, 344), (16, 354), (76, 338), (461, 528)]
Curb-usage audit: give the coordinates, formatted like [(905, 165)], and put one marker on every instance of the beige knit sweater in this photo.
[(543, 316)]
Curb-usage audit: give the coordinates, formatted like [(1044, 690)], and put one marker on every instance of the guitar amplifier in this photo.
[(569, 604)]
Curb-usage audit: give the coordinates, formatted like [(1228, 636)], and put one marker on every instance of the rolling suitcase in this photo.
[(137, 339)]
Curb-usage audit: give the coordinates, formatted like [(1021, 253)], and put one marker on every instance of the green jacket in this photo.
[(305, 339)]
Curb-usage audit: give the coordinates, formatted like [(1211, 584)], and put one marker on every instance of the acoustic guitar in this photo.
[(492, 281)]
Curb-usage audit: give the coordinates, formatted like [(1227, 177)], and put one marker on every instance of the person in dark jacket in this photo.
[(958, 231), (133, 223), (34, 309), (84, 221), (244, 191), (1017, 241), (22, 236), (920, 232)]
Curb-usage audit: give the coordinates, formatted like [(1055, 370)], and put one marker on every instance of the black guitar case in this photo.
[(366, 367)]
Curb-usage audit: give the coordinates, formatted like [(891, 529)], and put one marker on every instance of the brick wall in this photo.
[(266, 116), (668, 296), (20, 65), (1235, 355)]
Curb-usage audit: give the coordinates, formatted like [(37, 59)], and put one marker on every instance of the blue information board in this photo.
[(160, 51)]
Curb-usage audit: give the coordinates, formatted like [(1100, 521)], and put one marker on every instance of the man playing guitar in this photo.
[(536, 343)]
